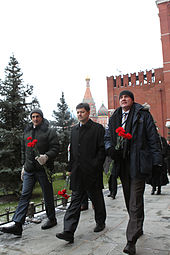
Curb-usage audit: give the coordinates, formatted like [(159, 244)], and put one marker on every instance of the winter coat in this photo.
[(47, 143), (143, 148), (87, 155), (161, 178), (168, 159)]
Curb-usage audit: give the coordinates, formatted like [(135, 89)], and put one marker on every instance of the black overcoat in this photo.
[(87, 155), (144, 149)]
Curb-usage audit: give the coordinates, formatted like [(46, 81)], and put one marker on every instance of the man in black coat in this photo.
[(87, 155), (134, 160), (33, 170)]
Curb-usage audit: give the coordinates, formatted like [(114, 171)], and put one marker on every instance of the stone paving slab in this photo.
[(111, 241)]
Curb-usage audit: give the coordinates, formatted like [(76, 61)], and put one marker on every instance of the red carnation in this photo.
[(120, 129), (120, 138), (29, 138), (122, 134), (29, 144), (63, 193), (128, 136), (34, 142)]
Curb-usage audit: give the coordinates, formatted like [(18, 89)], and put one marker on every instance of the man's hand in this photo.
[(114, 154), (22, 174), (42, 159)]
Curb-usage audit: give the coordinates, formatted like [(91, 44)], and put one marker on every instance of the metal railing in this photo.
[(32, 210)]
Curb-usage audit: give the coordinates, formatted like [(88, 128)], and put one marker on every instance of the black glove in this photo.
[(115, 154)]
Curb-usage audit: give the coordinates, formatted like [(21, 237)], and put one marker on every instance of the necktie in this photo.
[(124, 119)]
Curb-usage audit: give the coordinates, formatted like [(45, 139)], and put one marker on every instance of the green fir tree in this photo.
[(63, 123), (14, 114)]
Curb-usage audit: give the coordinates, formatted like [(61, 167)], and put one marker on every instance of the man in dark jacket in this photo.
[(135, 160), (87, 155), (47, 148)]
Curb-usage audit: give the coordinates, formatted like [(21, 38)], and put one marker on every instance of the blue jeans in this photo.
[(29, 181)]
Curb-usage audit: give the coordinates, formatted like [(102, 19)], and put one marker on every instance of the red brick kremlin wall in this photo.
[(152, 87)]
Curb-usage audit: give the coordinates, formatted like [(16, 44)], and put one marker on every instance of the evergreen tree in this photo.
[(63, 123), (14, 114)]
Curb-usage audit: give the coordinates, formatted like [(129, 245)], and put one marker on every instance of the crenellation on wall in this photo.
[(159, 76), (118, 81), (141, 78), (125, 80), (149, 78), (133, 79)]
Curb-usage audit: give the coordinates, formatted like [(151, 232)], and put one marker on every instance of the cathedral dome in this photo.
[(103, 111)]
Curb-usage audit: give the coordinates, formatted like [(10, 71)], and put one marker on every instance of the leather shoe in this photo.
[(130, 248), (66, 235), (112, 196), (14, 229), (49, 224), (99, 227)]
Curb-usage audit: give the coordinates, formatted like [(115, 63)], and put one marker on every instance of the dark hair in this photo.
[(83, 105)]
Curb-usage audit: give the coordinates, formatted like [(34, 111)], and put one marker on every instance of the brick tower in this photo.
[(164, 15)]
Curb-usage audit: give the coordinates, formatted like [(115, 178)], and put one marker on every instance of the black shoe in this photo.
[(84, 208), (109, 195), (49, 224), (15, 230), (153, 191), (99, 227), (67, 236), (130, 248), (113, 196), (158, 191)]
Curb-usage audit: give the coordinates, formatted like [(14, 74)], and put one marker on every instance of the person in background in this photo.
[(134, 160), (87, 155), (168, 157), (113, 181), (33, 170), (160, 178)]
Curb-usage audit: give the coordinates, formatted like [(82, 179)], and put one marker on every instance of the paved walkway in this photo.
[(111, 241)]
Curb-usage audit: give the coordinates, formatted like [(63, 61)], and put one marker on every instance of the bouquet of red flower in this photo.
[(33, 145), (121, 137), (63, 193)]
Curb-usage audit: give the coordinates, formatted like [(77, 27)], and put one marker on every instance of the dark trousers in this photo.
[(113, 185), (28, 185), (72, 214), (85, 202), (133, 190)]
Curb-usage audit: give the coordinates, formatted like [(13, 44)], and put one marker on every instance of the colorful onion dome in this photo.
[(103, 111)]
